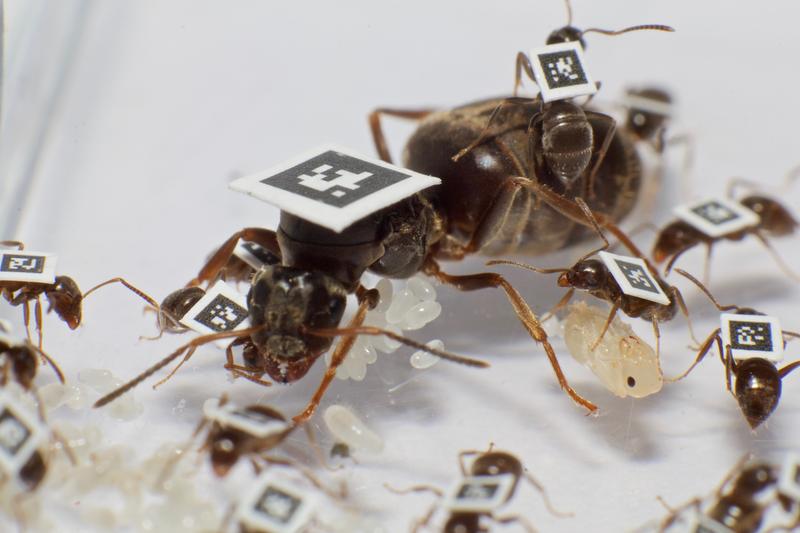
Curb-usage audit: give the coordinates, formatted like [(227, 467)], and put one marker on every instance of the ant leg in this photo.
[(788, 368), (424, 521), (523, 64), (338, 357), (538, 486), (37, 310), (143, 295), (26, 319), (377, 129), (559, 305), (515, 519), (281, 461), (611, 315), (484, 134), (600, 154), (730, 368), (415, 488), (704, 349), (674, 513), (703, 288), (776, 257), (53, 365), (707, 263), (461, 455), (218, 259), (657, 334), (524, 313), (675, 294), (19, 245)]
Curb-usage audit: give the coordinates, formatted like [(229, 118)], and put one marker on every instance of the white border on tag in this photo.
[(219, 288), (789, 480), (334, 218), (610, 261), (504, 484), (37, 433), (745, 217), (248, 517), (709, 524), (648, 105), (246, 255), (228, 415), (548, 94), (776, 336), (47, 276)]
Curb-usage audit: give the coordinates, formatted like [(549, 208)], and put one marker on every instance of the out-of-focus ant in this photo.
[(489, 483), (743, 499), (20, 360), (772, 219), (757, 381)]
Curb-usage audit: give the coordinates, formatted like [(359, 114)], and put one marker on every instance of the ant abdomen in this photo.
[(758, 389), (775, 218)]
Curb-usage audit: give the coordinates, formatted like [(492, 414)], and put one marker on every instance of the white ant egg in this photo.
[(422, 360), (346, 427)]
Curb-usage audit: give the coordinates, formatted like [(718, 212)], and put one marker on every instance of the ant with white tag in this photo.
[(772, 219), (743, 499), (62, 293), (757, 380), (489, 483)]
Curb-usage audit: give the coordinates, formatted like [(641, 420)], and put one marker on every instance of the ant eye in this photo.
[(335, 306), (631, 382)]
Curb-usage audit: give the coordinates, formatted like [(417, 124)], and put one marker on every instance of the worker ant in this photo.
[(744, 498), (62, 293), (21, 361), (757, 380), (490, 482)]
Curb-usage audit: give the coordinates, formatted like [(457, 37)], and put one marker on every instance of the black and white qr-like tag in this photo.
[(333, 186), (717, 216), (789, 480), (222, 308), (479, 494), (752, 336), (701, 523), (560, 71), (254, 254), (633, 277), (252, 422), (21, 434), (275, 506), (24, 265)]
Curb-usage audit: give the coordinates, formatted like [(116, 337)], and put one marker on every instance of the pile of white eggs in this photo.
[(410, 308)]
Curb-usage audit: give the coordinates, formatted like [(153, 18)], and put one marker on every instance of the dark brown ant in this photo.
[(775, 220), (647, 123), (757, 381), (742, 501), (63, 295), (20, 360), (488, 463)]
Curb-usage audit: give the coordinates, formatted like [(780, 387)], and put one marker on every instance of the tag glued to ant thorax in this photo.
[(21, 434), (333, 186), (275, 506), (254, 254), (251, 422), (33, 267), (752, 336), (717, 216), (221, 309), (633, 277), (479, 494), (701, 523), (789, 480), (648, 105), (560, 71)]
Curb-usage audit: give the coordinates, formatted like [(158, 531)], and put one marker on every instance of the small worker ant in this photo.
[(774, 220), (744, 498), (648, 110), (63, 295), (490, 482), (757, 381), (21, 360)]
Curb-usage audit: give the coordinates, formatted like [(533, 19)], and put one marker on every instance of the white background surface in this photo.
[(167, 102)]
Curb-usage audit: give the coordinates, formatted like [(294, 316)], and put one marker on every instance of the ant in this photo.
[(773, 220), (490, 482), (757, 385), (648, 111), (63, 295), (21, 360), (744, 497)]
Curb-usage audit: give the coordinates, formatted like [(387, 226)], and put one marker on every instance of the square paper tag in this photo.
[(789, 481), (717, 216), (752, 336), (251, 422), (705, 524), (479, 494), (633, 277), (221, 309), (560, 71), (21, 434), (35, 267), (333, 187), (254, 254), (275, 506)]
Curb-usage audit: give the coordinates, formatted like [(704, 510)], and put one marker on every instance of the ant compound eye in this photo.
[(336, 306), (631, 381)]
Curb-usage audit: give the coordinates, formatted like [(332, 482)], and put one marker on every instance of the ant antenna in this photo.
[(526, 266), (133, 289), (569, 13), (656, 27), (706, 291)]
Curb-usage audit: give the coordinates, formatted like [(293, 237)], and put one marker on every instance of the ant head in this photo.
[(65, 297), (33, 472), (645, 117), (226, 447), (176, 305), (286, 301), (463, 522), (24, 362), (566, 34), (495, 463), (567, 140), (589, 274), (758, 389), (756, 477), (673, 239), (775, 218)]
